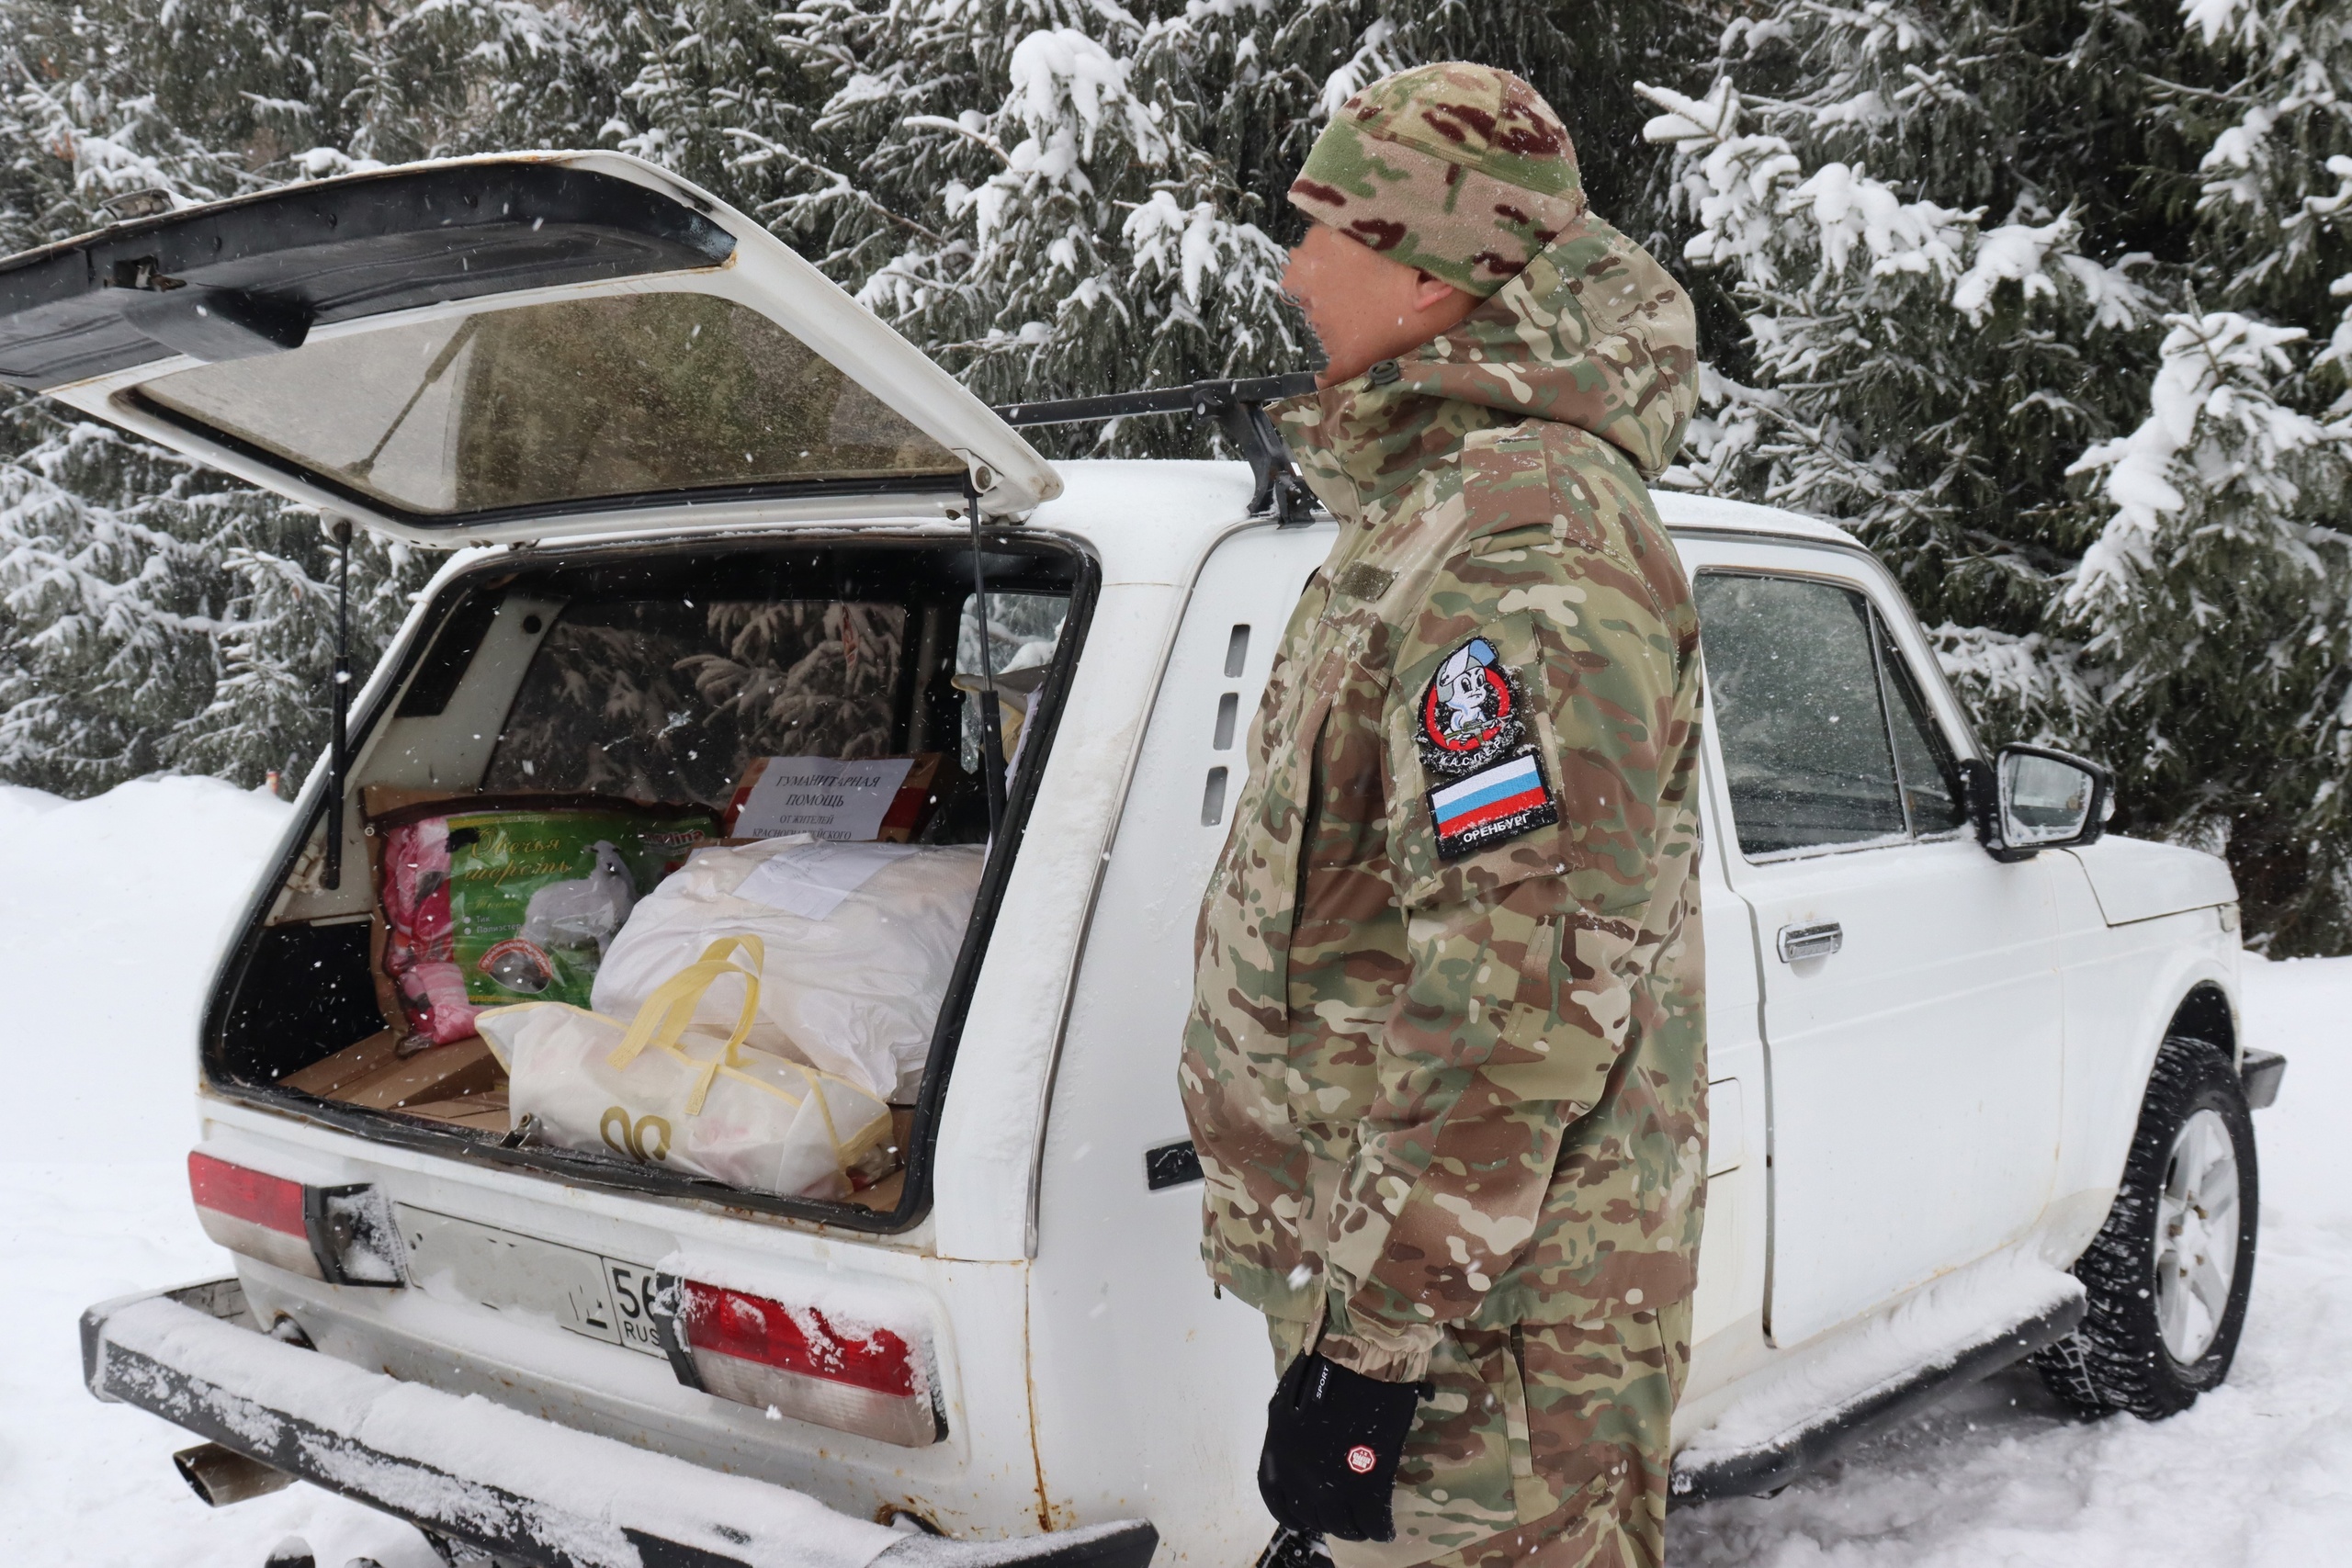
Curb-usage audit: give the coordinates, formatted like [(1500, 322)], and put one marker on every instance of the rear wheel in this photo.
[(2170, 1273)]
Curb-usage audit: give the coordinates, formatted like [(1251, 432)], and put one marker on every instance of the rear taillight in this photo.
[(798, 1362), (341, 1234), (248, 1212)]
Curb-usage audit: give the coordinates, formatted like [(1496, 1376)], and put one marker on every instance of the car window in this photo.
[(1023, 631), (562, 401), (1799, 721), (1923, 759)]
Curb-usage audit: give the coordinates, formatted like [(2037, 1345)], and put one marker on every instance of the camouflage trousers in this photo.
[(1545, 1445)]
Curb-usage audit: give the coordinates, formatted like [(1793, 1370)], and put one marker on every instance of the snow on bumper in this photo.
[(509, 1483)]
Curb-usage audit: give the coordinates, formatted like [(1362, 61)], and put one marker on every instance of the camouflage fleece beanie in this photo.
[(1462, 171)]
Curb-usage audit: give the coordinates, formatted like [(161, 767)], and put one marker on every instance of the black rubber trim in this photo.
[(1751, 1471), (1201, 398), (1126, 1545), (504, 1527), (569, 1165), (666, 1306), (1170, 1165), (320, 1224), (2261, 1071), (282, 262)]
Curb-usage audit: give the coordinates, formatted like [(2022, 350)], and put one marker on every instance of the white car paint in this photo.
[(1914, 1075), (2134, 880), (1911, 1136), (1954, 1089)]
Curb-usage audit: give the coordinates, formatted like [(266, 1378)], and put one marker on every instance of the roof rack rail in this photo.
[(1236, 407)]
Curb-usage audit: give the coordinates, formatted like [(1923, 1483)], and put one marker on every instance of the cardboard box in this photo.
[(479, 1112), (441, 1072), (347, 1065)]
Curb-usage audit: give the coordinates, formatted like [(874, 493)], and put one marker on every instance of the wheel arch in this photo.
[(2116, 1024), (2207, 1013)]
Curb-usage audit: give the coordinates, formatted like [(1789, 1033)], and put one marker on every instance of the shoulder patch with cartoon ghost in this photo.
[(1487, 779)]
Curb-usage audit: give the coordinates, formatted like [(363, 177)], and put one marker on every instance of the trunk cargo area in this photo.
[(799, 718)]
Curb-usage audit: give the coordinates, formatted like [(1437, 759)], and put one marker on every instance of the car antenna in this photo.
[(1236, 407), (332, 877), (991, 716)]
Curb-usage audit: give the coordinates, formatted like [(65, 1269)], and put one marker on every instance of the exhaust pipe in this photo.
[(222, 1477)]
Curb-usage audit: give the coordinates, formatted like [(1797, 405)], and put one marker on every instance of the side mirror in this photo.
[(2032, 798)]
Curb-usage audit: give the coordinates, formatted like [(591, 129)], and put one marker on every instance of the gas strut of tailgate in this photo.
[(992, 736), (1236, 407)]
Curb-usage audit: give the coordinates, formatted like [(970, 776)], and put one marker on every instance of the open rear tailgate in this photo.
[(467, 349)]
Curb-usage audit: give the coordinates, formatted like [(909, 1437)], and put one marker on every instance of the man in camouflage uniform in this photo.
[(1446, 1065)]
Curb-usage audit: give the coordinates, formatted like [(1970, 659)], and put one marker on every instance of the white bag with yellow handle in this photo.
[(661, 1090), (861, 941)]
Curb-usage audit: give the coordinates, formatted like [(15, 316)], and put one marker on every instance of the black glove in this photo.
[(1333, 1439)]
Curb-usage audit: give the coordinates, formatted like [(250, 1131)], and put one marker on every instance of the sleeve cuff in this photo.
[(1389, 1354)]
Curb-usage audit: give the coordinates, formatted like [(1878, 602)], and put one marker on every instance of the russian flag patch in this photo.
[(1499, 801)]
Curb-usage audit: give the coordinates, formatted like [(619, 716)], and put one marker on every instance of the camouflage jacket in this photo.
[(1446, 1062)]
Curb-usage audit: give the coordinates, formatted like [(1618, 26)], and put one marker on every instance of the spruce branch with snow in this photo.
[(2049, 300), (2037, 298)]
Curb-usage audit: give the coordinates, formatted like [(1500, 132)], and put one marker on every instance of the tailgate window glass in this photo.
[(570, 400), (1804, 735)]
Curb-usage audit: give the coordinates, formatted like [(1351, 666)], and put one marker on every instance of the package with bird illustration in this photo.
[(497, 903)]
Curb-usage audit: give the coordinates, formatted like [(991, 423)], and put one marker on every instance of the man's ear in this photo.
[(1430, 292)]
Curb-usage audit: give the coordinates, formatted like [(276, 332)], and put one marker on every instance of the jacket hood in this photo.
[(1591, 333)]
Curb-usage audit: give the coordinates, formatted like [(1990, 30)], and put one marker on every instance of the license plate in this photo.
[(598, 1297)]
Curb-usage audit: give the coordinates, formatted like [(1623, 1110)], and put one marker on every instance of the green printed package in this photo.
[(535, 896), (504, 905)]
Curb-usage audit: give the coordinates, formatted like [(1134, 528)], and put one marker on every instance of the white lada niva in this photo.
[(1979, 1093)]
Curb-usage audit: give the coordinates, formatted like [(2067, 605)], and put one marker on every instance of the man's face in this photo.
[(1364, 308)]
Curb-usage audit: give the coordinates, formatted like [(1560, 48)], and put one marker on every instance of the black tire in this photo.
[(2118, 1359)]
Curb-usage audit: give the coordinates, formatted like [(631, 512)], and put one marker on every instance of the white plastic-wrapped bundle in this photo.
[(662, 1090), (859, 941)]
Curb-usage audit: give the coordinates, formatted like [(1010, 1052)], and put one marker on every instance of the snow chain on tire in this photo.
[(2117, 1359)]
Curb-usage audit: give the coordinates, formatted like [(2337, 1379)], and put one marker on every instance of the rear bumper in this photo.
[(514, 1485)]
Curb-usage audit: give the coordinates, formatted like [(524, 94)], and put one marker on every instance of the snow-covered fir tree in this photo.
[(2037, 298), (1062, 197), (1053, 196), (2050, 299), (155, 615)]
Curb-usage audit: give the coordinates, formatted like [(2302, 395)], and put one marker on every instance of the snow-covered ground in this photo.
[(114, 910), (2258, 1473)]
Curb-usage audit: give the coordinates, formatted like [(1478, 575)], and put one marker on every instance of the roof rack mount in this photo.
[(1238, 409)]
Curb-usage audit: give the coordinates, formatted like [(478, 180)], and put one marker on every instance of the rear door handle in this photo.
[(1816, 941)]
